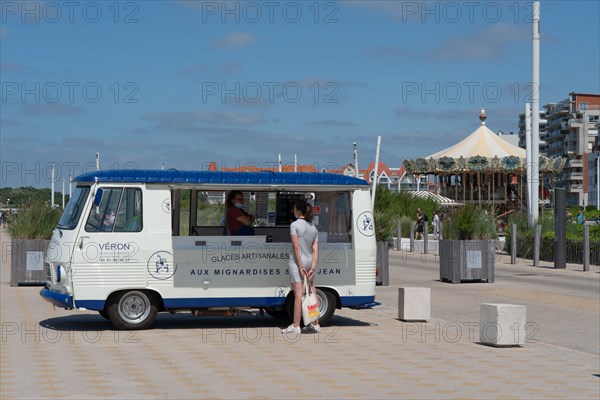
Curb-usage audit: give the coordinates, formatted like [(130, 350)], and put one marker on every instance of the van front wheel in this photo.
[(133, 310)]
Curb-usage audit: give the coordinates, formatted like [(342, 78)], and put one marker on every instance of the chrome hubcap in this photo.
[(134, 307)]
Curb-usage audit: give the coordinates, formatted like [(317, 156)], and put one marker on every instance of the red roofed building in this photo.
[(395, 179)]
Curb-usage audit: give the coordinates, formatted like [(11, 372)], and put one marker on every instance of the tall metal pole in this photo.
[(535, 112), (355, 149), (295, 163), (52, 190), (376, 172), (529, 164), (97, 161), (70, 185), (598, 182), (63, 194), (279, 156)]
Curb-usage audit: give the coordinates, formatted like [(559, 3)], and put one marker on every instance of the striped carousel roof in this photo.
[(482, 142)]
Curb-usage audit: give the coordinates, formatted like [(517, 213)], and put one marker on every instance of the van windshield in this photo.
[(70, 217)]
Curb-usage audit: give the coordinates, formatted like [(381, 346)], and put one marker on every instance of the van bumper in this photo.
[(358, 302), (57, 299)]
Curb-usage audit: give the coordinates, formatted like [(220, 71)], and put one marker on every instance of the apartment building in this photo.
[(593, 181), (542, 125), (571, 131)]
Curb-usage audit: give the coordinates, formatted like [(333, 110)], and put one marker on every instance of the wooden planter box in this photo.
[(467, 260), (27, 262), (383, 264)]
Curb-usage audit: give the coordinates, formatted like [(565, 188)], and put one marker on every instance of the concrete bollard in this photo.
[(414, 303), (586, 248), (399, 236), (513, 244), (425, 238), (502, 325)]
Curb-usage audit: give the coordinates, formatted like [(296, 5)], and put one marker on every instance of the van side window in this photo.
[(209, 213), (119, 211), (129, 215), (333, 217)]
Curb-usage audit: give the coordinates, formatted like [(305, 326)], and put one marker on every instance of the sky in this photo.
[(185, 83)]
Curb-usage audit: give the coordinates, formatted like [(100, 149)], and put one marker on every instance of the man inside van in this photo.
[(239, 222), (109, 220)]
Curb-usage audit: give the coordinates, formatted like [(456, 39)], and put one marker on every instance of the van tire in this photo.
[(104, 314), (132, 310), (326, 305)]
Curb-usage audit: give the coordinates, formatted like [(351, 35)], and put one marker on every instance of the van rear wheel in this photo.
[(132, 310), (326, 305)]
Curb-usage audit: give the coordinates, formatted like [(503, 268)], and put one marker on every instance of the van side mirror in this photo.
[(98, 196)]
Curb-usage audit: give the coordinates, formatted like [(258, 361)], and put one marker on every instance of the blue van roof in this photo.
[(219, 177)]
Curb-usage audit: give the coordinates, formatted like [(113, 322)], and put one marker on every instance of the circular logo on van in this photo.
[(166, 206), (160, 265), (364, 223)]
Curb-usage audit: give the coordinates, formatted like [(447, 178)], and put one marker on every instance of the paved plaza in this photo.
[(54, 353)]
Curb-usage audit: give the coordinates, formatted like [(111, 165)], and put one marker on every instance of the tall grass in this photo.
[(469, 223), (36, 220), (525, 236)]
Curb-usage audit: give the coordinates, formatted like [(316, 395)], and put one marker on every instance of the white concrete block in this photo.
[(414, 303), (502, 324)]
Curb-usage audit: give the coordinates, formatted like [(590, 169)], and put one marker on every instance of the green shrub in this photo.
[(525, 236), (35, 220), (392, 207), (469, 223)]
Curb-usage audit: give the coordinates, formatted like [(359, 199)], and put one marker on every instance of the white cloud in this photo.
[(388, 51), (51, 109), (489, 43), (198, 120), (194, 70), (332, 122), (10, 123), (229, 68), (235, 39), (8, 67)]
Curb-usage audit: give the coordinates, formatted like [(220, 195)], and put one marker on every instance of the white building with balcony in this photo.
[(571, 131)]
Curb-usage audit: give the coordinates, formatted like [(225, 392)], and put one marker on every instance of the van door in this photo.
[(107, 256)]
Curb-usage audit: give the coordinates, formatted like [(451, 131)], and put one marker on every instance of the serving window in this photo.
[(203, 213)]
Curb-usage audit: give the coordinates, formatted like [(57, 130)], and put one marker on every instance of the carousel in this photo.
[(485, 169)]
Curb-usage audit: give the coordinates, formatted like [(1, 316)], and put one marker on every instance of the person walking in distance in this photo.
[(303, 262), (420, 224), (436, 225)]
